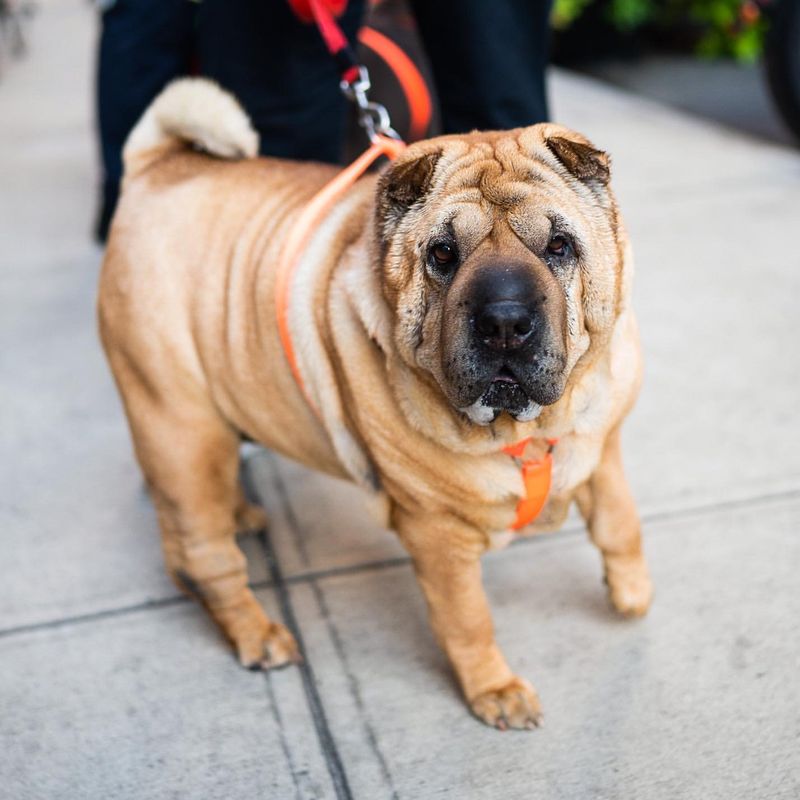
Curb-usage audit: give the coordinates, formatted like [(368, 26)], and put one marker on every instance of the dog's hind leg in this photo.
[(607, 505), (190, 457), (250, 518)]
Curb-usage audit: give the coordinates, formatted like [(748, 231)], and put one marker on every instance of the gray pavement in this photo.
[(729, 93), (112, 686)]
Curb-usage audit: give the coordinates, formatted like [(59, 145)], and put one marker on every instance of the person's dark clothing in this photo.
[(488, 62), (144, 44)]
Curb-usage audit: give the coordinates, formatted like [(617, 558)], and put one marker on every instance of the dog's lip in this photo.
[(505, 375)]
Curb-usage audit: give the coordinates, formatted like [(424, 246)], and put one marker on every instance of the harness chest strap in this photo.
[(536, 473), (537, 476)]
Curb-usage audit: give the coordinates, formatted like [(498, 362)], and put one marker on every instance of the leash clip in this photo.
[(372, 117)]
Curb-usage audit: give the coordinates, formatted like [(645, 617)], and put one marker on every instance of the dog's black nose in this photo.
[(504, 324)]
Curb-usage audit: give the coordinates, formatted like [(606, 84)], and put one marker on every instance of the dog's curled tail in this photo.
[(190, 111)]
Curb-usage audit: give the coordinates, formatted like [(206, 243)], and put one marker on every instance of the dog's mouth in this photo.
[(505, 392)]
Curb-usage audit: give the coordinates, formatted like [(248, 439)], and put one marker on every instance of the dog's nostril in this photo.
[(523, 326), (504, 325), (487, 325)]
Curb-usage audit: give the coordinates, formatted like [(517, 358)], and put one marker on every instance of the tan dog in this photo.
[(476, 293)]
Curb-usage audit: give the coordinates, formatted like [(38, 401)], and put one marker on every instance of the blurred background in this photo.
[(735, 62), (114, 685)]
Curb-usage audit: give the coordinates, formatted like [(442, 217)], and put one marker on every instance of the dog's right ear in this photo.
[(403, 184)]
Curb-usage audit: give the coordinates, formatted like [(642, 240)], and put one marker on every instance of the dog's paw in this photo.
[(276, 648), (515, 705), (250, 518), (630, 589)]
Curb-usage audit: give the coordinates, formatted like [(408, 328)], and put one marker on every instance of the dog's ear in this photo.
[(403, 184), (580, 157)]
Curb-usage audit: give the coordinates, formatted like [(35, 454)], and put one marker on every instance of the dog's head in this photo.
[(500, 261)]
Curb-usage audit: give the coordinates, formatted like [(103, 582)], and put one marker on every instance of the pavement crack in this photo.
[(330, 751), (95, 616), (287, 753), (566, 533), (319, 597)]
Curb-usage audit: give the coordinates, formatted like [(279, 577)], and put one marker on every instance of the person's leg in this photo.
[(279, 70), (488, 60), (144, 44)]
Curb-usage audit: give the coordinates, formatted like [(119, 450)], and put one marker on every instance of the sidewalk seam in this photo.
[(387, 563), (287, 752), (294, 526), (330, 752)]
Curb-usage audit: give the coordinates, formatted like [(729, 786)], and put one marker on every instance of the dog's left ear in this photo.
[(580, 157), (403, 184)]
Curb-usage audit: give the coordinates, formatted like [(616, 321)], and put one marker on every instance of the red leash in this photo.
[(354, 77), (299, 234), (374, 118), (323, 14)]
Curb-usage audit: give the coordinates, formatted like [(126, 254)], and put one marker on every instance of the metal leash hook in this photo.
[(372, 117)]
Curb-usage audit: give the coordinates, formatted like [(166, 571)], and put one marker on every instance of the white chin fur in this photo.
[(530, 412), (479, 413), (482, 414)]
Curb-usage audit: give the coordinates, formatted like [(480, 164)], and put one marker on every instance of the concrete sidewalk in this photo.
[(112, 686)]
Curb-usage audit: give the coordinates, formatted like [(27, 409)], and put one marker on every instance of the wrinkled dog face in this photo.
[(500, 259)]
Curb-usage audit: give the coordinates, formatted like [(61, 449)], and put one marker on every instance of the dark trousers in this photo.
[(488, 59)]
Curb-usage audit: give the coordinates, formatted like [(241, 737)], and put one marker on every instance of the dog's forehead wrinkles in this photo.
[(501, 172), (466, 196), (504, 194), (471, 225), (455, 161), (508, 179)]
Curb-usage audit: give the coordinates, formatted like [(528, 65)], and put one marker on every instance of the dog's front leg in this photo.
[(446, 556)]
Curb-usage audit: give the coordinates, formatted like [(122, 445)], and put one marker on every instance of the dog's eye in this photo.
[(442, 260), (443, 254), (558, 245)]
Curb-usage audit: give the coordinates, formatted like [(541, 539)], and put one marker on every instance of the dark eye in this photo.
[(442, 259), (558, 245), (443, 254)]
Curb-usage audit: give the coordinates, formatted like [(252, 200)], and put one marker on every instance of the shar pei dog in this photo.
[(471, 300)]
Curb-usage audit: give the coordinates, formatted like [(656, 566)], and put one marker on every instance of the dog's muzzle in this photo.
[(517, 351)]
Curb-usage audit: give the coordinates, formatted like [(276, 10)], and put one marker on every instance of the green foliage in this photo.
[(627, 15), (565, 12), (733, 28)]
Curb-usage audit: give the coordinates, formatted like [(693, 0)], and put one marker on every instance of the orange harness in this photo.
[(536, 473)]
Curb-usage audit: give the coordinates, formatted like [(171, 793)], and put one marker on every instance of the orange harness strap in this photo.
[(537, 476), (536, 473)]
